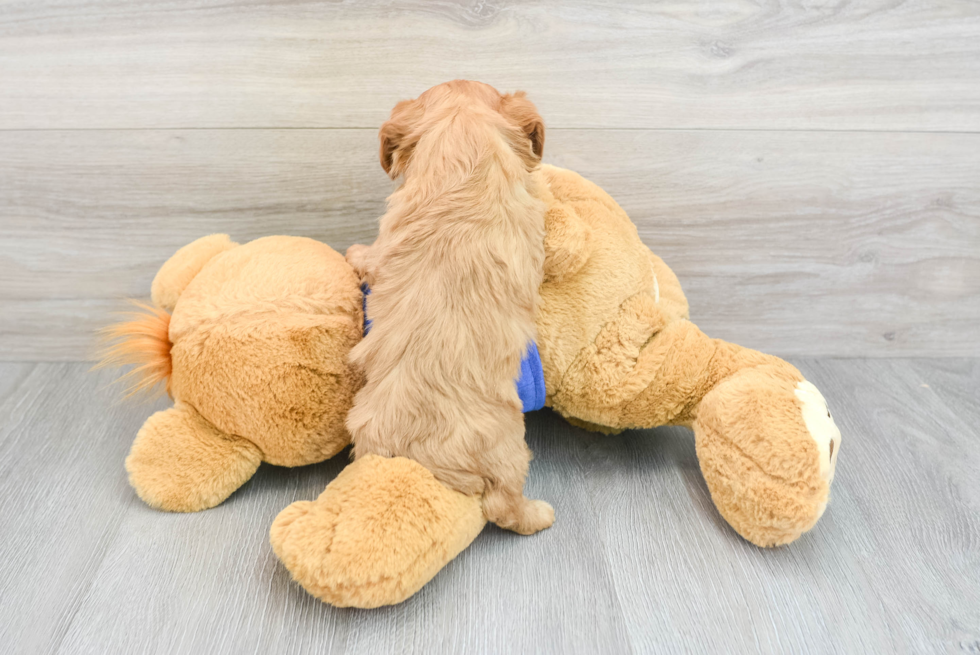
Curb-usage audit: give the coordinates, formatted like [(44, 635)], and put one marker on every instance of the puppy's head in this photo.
[(463, 100)]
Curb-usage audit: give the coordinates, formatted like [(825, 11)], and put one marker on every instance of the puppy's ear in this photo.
[(522, 112), (395, 137), (389, 137)]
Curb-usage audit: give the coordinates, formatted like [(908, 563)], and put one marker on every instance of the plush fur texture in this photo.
[(618, 353), (178, 271), (255, 356), (382, 529), (181, 463), (769, 490), (454, 276)]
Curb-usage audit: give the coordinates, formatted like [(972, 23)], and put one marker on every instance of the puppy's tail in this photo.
[(143, 340)]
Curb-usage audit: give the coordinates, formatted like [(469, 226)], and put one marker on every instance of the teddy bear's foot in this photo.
[(381, 530), (767, 447), (179, 462)]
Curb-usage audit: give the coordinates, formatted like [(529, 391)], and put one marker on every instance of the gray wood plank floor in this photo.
[(638, 560)]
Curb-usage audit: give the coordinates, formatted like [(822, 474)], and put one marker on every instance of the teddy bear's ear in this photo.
[(522, 112), (396, 137)]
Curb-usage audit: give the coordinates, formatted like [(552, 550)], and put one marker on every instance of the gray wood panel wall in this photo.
[(811, 171)]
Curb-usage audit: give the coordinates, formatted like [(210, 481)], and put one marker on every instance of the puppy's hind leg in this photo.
[(504, 502), (505, 505)]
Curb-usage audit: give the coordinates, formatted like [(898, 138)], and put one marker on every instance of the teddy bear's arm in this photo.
[(567, 242)]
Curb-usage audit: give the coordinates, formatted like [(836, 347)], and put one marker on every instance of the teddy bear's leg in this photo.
[(179, 462), (381, 530), (767, 447), (764, 437)]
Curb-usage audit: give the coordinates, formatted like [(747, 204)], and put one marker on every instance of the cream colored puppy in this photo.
[(454, 278)]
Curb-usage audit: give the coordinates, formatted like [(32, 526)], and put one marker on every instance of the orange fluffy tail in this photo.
[(142, 341)]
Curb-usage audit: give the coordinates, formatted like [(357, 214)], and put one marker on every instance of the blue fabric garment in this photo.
[(366, 290), (530, 380)]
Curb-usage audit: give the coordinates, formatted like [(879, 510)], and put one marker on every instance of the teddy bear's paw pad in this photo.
[(181, 463), (381, 530), (820, 424)]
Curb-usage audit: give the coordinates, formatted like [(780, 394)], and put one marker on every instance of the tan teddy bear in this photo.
[(255, 358)]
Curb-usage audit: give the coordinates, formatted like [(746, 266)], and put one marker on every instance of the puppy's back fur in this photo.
[(455, 275)]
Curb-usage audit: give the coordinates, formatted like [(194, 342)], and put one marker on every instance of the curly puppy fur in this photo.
[(454, 275)]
